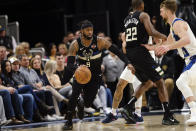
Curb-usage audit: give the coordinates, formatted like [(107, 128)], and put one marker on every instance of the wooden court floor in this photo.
[(151, 123)]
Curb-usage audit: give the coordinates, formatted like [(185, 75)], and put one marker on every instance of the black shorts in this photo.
[(145, 66)]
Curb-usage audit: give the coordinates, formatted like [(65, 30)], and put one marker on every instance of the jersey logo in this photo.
[(87, 54)]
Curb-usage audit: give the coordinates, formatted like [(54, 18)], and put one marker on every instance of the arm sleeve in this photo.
[(69, 70)]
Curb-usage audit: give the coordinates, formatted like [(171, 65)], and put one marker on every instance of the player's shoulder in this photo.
[(74, 45), (180, 23), (144, 15)]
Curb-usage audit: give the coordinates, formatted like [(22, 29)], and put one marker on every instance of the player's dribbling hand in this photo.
[(130, 67)]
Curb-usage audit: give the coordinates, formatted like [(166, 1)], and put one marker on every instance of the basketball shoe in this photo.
[(128, 116), (169, 119), (109, 118)]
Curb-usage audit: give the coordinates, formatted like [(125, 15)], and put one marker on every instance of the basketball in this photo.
[(82, 74)]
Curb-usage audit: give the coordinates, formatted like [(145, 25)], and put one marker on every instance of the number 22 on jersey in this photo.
[(131, 34)]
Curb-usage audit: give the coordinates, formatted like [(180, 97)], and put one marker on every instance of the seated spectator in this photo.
[(3, 119), (51, 50), (3, 53), (26, 47), (8, 41), (35, 64), (167, 65), (19, 51), (70, 38), (52, 82), (19, 80), (112, 67), (63, 51), (60, 71), (32, 78), (7, 81), (12, 105)]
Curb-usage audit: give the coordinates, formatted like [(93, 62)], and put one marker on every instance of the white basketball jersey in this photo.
[(188, 50)]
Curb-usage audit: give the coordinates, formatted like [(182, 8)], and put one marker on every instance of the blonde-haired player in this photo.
[(181, 38)]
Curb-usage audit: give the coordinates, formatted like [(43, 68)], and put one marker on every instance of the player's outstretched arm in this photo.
[(104, 44), (180, 28)]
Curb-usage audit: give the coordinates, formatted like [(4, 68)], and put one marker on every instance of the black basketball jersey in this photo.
[(134, 30), (90, 56)]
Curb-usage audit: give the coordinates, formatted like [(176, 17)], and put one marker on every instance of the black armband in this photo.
[(69, 70), (117, 52)]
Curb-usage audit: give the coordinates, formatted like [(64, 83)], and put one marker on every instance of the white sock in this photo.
[(138, 111), (114, 111), (192, 106)]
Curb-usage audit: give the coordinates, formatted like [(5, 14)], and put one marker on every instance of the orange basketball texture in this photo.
[(82, 74)]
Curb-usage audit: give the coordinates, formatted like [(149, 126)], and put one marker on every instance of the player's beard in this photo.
[(165, 20), (87, 37)]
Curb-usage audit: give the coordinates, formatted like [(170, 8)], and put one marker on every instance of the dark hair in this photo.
[(58, 54), (69, 32), (49, 48), (86, 23), (3, 66), (136, 3), (169, 4)]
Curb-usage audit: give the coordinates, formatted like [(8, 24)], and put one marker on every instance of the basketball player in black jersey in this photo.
[(138, 28), (88, 49)]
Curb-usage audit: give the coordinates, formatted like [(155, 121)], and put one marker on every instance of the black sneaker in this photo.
[(169, 119), (109, 118), (80, 106), (68, 125), (128, 116), (138, 119)]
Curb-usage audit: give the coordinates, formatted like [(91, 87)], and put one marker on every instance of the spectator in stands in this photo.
[(167, 65), (51, 50), (35, 64), (53, 83), (101, 34), (38, 56), (66, 91), (3, 53), (70, 38), (32, 78), (12, 104), (19, 51), (112, 67), (63, 51), (7, 80), (26, 47), (3, 120), (77, 34), (19, 80), (8, 41)]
